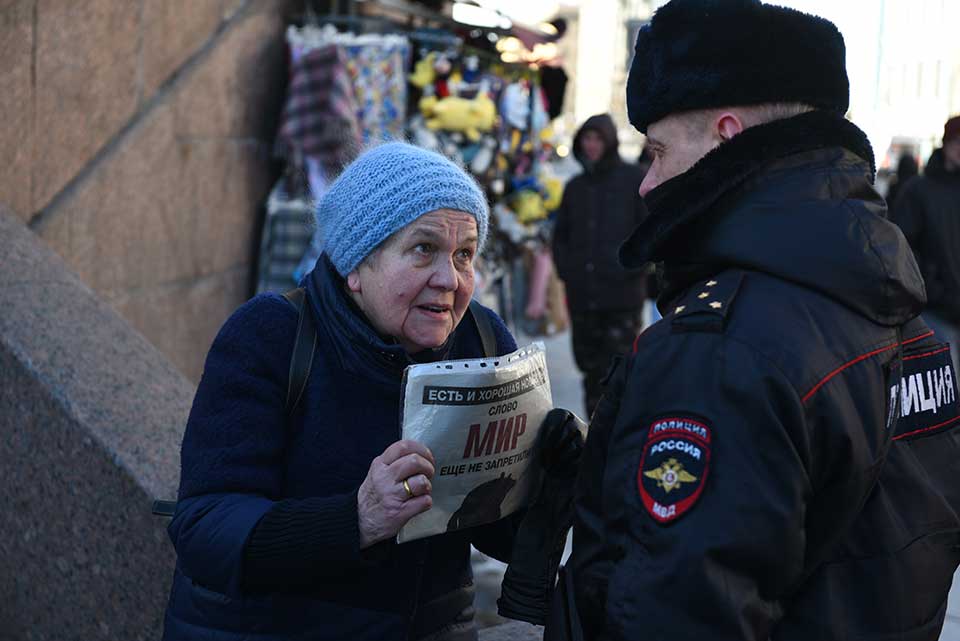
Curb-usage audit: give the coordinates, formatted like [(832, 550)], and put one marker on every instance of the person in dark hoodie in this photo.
[(906, 169), (599, 207), (928, 211), (778, 457)]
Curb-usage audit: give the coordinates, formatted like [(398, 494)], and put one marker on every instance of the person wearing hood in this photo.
[(599, 208), (906, 169), (777, 457), (928, 211)]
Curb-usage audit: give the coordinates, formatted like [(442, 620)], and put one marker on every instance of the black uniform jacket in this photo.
[(779, 456)]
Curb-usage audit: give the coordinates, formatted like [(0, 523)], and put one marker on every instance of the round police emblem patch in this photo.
[(673, 467)]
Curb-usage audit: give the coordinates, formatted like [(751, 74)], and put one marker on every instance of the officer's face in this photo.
[(677, 142)]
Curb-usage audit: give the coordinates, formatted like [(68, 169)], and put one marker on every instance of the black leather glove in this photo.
[(562, 435), (538, 544)]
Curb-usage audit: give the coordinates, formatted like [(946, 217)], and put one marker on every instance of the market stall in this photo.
[(480, 95)]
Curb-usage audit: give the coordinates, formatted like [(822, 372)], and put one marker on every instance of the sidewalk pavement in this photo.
[(951, 627), (567, 393)]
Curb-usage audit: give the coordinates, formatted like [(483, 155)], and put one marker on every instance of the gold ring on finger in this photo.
[(406, 486)]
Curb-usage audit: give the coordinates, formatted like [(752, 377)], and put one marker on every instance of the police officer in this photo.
[(778, 457)]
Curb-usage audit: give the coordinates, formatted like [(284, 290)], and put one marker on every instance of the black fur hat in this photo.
[(698, 54)]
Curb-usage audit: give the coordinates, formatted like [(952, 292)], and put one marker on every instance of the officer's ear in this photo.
[(727, 125)]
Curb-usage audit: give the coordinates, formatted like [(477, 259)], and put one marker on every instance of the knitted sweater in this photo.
[(241, 458)]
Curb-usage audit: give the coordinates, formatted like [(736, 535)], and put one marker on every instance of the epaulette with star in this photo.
[(706, 306)]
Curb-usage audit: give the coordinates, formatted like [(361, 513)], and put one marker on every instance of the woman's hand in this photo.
[(384, 503)]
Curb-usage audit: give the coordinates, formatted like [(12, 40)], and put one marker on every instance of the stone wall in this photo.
[(136, 139), (91, 418)]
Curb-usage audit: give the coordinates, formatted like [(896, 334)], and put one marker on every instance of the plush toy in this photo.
[(421, 136), (423, 73), (521, 182), (459, 114), (553, 187), (535, 196), (455, 83), (528, 205), (471, 69), (442, 67), (515, 107), (481, 162)]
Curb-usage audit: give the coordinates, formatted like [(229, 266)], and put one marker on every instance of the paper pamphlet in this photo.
[(480, 418)]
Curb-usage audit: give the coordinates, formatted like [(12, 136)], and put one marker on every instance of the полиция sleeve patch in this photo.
[(674, 466), (923, 397)]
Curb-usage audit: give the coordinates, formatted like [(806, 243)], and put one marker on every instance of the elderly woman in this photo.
[(285, 526)]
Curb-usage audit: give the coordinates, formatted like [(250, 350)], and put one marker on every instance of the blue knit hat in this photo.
[(385, 189)]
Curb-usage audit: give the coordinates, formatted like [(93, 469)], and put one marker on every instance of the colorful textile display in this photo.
[(378, 72), (320, 112), (347, 91), (287, 231), (377, 68)]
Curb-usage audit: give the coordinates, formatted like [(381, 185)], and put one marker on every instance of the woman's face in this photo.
[(417, 285)]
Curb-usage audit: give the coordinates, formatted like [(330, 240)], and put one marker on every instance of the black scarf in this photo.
[(684, 201)]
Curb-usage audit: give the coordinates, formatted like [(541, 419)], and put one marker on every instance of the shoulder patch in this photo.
[(706, 305), (924, 399), (674, 466)]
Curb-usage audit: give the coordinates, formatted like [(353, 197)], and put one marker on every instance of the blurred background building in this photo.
[(903, 60)]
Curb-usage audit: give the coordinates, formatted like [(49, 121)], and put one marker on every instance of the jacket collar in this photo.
[(793, 199), (680, 201)]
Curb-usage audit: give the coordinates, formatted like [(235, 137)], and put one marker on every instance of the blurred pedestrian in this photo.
[(778, 457), (286, 520), (906, 169), (928, 211), (599, 208)]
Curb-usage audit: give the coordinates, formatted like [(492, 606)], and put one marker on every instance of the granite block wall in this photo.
[(91, 419), (136, 137)]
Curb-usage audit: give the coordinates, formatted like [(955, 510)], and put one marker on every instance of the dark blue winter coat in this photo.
[(240, 454)]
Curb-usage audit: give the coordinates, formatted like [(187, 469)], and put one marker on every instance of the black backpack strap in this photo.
[(305, 344), (301, 361), (482, 322)]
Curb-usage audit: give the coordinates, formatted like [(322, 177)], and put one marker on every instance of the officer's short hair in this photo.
[(750, 115)]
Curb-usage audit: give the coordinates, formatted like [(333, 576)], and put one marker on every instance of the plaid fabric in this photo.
[(320, 114), (287, 231)]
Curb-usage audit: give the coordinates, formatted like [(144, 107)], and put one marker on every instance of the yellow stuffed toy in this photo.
[(528, 205), (554, 190), (459, 114), (423, 72)]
